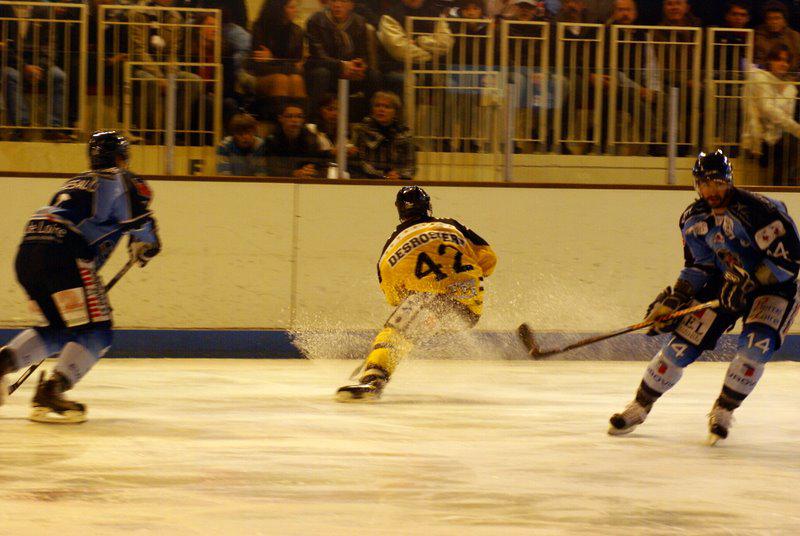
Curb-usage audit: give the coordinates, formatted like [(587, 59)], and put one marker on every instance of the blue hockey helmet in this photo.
[(104, 148), (712, 167), (413, 202)]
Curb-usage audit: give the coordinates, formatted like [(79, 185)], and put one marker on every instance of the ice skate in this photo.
[(632, 416), (719, 422), (49, 406), (369, 387)]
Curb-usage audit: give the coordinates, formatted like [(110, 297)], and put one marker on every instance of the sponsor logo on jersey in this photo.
[(766, 235), (718, 238), (45, 230)]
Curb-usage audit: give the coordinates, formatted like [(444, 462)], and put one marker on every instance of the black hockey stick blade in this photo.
[(528, 338)]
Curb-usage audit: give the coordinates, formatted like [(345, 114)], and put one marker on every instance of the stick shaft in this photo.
[(634, 327), (114, 280)]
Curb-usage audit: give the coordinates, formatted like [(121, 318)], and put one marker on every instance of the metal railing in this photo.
[(452, 100), (645, 63), (42, 68), (158, 40)]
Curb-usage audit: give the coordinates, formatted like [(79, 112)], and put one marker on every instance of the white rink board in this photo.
[(455, 448), (270, 255)]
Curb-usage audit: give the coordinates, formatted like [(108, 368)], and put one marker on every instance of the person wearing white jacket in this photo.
[(431, 39), (770, 102)]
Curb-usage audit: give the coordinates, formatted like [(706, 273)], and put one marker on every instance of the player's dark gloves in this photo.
[(736, 285), (668, 301), (143, 252)]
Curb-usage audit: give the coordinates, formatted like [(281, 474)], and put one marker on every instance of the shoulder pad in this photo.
[(698, 209), (139, 185)]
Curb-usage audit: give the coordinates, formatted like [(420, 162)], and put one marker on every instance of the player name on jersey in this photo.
[(421, 240)]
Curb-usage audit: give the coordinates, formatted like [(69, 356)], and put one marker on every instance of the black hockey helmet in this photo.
[(413, 202), (104, 148), (712, 167)]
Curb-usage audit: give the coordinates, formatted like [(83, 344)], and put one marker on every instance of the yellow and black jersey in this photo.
[(435, 255)]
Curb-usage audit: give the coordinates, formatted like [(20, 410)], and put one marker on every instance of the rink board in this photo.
[(280, 344)]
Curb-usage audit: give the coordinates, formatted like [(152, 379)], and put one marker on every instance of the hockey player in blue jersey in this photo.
[(742, 248), (63, 246)]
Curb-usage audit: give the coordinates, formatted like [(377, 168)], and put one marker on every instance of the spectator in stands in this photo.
[(339, 47), (634, 79), (775, 30), (678, 13), (277, 57), (585, 11), (242, 153), (326, 123), (31, 59), (158, 36), (385, 147), (237, 43), (770, 115), (431, 39), (737, 14), (293, 150)]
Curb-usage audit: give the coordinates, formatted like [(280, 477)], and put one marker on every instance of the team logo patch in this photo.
[(766, 235)]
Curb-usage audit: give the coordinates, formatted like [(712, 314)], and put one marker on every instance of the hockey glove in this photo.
[(143, 252), (736, 285), (668, 301)]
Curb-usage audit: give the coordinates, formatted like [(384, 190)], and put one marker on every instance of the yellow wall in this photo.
[(258, 255)]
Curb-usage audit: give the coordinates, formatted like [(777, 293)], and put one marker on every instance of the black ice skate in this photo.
[(49, 406), (369, 387), (719, 422), (632, 416)]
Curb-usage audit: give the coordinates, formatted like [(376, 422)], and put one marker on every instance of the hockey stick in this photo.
[(528, 338), (114, 280)]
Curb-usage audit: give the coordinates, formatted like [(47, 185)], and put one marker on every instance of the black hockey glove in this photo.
[(736, 285), (668, 301), (143, 252)]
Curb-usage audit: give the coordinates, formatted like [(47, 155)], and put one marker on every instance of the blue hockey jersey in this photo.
[(91, 212), (754, 232)]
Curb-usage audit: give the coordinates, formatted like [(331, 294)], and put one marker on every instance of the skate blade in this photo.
[(357, 393), (713, 439), (47, 416)]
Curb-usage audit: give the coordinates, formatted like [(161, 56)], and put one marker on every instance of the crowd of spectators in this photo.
[(279, 75)]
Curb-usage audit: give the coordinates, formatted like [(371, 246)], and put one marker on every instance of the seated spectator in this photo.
[(737, 14), (338, 47), (432, 39), (293, 150), (770, 107), (277, 58), (385, 147), (775, 30), (29, 60), (158, 36), (242, 153), (326, 125)]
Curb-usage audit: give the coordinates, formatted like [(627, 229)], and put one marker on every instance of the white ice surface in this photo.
[(469, 447)]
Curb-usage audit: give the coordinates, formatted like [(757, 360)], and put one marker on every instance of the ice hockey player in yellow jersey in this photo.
[(432, 271)]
